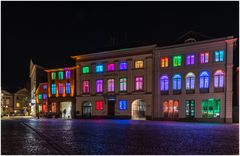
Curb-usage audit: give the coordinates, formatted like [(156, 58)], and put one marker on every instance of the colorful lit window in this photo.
[(190, 108), (110, 85), (219, 56), (122, 104), (170, 109), (85, 69), (86, 87), (44, 96), (68, 89), (204, 57), (54, 89), (177, 82), (68, 74), (53, 75), (123, 84), (99, 86), (139, 83), (164, 62), (138, 64), (111, 67), (204, 79), (211, 108), (99, 68), (60, 75), (60, 88), (190, 59), (123, 66), (44, 108), (190, 81), (54, 109), (164, 83), (218, 79), (177, 61), (39, 96), (99, 105)]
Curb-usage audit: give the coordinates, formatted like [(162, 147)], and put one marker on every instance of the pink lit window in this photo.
[(138, 83), (111, 85), (85, 86), (99, 86), (99, 105), (111, 67), (204, 57), (60, 88)]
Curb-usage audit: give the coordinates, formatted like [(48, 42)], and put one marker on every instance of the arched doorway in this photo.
[(87, 109), (138, 110)]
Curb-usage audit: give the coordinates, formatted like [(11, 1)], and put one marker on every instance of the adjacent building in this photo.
[(22, 105), (6, 102), (42, 99)]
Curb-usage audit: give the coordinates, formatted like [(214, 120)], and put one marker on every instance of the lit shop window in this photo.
[(164, 62), (138, 64), (99, 86), (123, 84), (53, 75), (54, 107), (111, 67), (99, 68), (190, 108), (85, 69), (53, 88), (45, 87), (170, 109), (86, 87), (204, 79), (219, 56), (68, 90), (44, 108), (177, 82), (190, 81), (218, 79), (204, 57), (211, 108), (60, 75), (68, 74), (60, 88), (164, 83), (44, 96), (123, 66), (123, 104), (190, 59), (177, 61), (99, 105), (39, 96), (111, 85), (139, 83)]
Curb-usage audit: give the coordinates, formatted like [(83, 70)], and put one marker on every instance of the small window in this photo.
[(68, 74), (204, 57), (219, 56), (123, 66), (164, 83), (99, 105), (139, 83), (110, 85), (60, 75), (39, 96), (44, 96), (53, 88), (164, 62), (85, 70), (68, 89), (86, 87), (219, 79), (99, 86), (60, 88), (111, 67), (99, 68), (45, 87), (138, 64), (190, 59), (123, 84), (53, 76), (123, 104), (177, 61)]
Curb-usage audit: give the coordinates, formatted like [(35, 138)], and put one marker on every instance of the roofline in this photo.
[(60, 69)]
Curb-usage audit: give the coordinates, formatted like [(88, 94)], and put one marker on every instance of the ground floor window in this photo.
[(190, 108), (170, 109), (211, 108), (54, 107), (44, 108), (40, 108), (99, 105)]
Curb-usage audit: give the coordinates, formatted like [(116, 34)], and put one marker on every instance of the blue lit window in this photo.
[(177, 82), (219, 56), (204, 79), (99, 68), (68, 90), (123, 66), (123, 104), (44, 96), (54, 89)]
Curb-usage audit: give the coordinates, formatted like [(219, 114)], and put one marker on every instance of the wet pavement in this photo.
[(57, 136)]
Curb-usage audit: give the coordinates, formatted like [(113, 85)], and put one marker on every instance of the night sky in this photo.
[(51, 32)]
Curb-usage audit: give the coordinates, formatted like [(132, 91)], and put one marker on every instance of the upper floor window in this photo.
[(219, 56), (60, 88), (85, 69), (68, 89), (164, 83), (99, 68), (177, 82), (68, 74), (53, 88), (99, 86), (123, 66), (39, 96), (44, 96), (60, 75), (44, 87), (190, 59), (177, 61), (204, 79), (53, 74), (122, 104), (138, 64), (139, 83), (99, 105), (218, 79), (86, 86), (204, 57), (111, 67), (164, 62), (110, 85), (123, 84), (190, 81)]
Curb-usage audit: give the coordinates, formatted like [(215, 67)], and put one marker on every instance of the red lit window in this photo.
[(44, 108), (99, 105), (164, 62)]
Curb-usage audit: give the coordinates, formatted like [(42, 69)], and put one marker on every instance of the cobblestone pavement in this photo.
[(57, 136)]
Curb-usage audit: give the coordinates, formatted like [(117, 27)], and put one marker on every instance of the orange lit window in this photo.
[(164, 62), (138, 64)]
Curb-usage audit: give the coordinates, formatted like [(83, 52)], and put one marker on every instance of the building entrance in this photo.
[(87, 109), (66, 108), (111, 107)]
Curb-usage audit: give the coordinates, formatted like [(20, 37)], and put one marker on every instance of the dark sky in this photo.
[(50, 32)]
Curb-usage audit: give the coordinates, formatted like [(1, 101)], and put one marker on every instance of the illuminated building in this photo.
[(6, 102), (22, 102), (42, 98)]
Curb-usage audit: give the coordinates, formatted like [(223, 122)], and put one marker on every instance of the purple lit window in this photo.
[(204, 57), (190, 59), (164, 83), (60, 88), (45, 87), (218, 79), (139, 83), (68, 74), (85, 86), (99, 86), (123, 66), (204, 79), (44, 96), (111, 67), (111, 85)]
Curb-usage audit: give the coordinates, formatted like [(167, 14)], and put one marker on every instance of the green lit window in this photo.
[(39, 96), (53, 76), (123, 84), (85, 70), (190, 108), (177, 61), (60, 75), (211, 108)]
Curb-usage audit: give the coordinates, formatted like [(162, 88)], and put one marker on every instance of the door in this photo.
[(111, 107), (66, 109), (190, 108)]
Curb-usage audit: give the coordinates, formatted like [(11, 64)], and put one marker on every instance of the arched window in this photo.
[(204, 78), (190, 81), (177, 82), (164, 83), (218, 79)]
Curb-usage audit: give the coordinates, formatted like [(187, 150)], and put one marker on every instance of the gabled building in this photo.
[(42, 99), (6, 102), (22, 103)]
